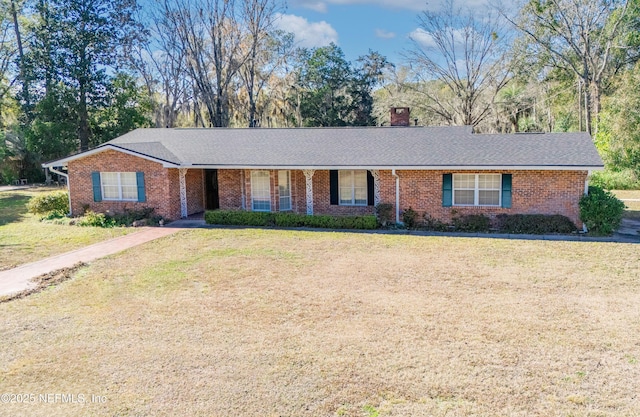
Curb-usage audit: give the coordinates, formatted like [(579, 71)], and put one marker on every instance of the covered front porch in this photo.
[(304, 191)]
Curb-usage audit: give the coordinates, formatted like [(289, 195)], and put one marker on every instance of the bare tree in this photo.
[(160, 63), (462, 58), (208, 38), (581, 37), (258, 17)]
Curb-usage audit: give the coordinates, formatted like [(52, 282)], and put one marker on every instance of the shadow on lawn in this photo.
[(12, 207)]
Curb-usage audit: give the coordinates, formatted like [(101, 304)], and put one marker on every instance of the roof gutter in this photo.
[(66, 176), (403, 167)]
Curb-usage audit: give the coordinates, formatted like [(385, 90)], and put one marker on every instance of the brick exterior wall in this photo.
[(195, 191), (230, 188), (533, 192), (162, 187)]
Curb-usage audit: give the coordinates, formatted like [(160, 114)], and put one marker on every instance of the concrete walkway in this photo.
[(19, 279)]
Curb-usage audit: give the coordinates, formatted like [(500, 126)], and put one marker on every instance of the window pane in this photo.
[(285, 203), (360, 196), (464, 181), (489, 181), (128, 178), (360, 179), (345, 181), (110, 190), (260, 191), (284, 190), (284, 184), (489, 198), (463, 197), (129, 185), (353, 187)]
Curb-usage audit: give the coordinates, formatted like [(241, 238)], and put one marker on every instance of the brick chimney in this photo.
[(400, 116)]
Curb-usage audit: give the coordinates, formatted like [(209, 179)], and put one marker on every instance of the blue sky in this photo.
[(359, 25)]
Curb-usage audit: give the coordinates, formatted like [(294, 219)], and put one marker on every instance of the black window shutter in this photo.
[(333, 187), (370, 191)]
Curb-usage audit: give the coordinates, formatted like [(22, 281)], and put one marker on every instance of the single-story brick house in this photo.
[(441, 171)]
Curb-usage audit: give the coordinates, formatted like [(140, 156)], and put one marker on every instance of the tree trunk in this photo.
[(83, 118), (23, 77), (595, 103)]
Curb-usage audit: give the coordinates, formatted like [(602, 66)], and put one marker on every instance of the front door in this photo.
[(211, 189)]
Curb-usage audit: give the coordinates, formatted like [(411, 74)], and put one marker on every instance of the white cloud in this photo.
[(307, 34), (383, 34), (426, 40), (315, 5), (423, 38)]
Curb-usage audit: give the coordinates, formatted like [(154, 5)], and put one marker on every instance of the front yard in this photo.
[(24, 239), (631, 200), (286, 323)]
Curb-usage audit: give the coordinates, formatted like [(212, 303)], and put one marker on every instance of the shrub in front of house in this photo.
[(472, 223), (93, 219), (536, 224), (265, 219), (435, 225), (128, 217), (45, 203), (410, 218), (384, 212), (141, 217), (601, 211)]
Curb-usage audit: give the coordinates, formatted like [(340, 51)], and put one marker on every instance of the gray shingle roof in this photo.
[(373, 147)]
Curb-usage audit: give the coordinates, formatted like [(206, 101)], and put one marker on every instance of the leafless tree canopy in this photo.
[(210, 59), (461, 62)]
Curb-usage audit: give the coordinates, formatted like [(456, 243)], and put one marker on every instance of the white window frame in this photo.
[(284, 190), (352, 186), (119, 185), (476, 190), (259, 189)]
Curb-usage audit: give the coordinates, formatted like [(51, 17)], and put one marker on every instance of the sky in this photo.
[(356, 26)]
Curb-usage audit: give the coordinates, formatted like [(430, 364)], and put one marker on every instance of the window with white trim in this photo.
[(119, 186), (260, 191), (352, 187), (284, 189), (477, 189)]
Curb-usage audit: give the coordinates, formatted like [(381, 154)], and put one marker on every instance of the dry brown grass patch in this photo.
[(254, 322)]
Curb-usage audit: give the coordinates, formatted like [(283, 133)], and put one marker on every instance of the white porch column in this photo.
[(376, 186), (308, 175), (182, 173)]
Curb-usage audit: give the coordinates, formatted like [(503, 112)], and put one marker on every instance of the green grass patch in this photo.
[(24, 238)]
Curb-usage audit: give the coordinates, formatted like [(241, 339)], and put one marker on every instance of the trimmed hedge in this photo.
[(266, 219), (45, 203), (472, 223), (601, 211), (537, 224)]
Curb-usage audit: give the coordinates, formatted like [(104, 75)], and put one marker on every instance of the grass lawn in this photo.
[(24, 239), (285, 323), (633, 207)]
